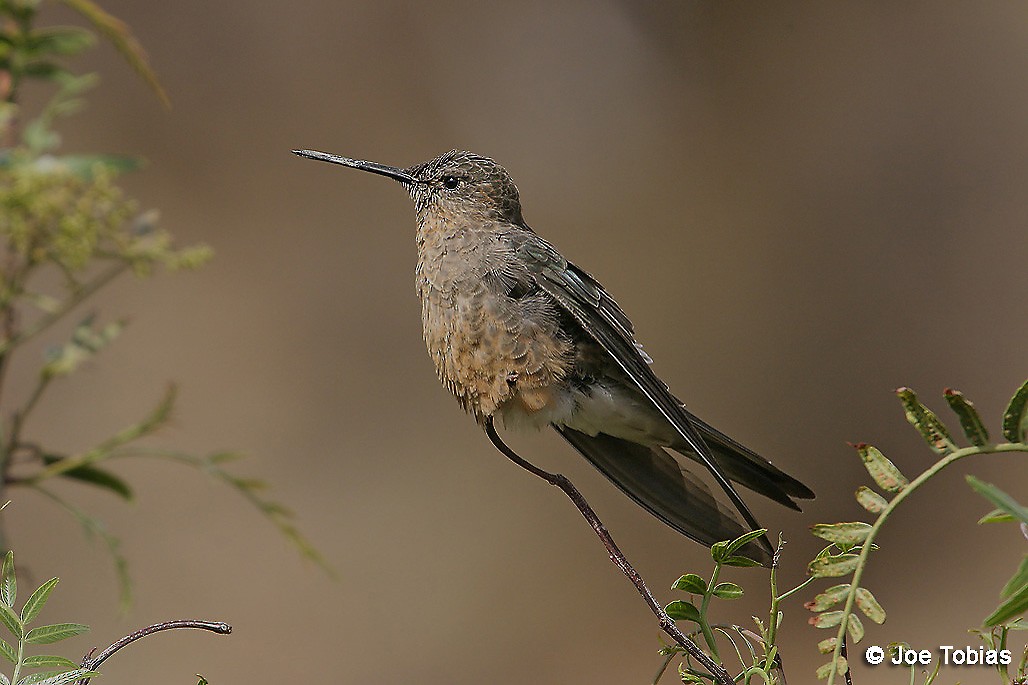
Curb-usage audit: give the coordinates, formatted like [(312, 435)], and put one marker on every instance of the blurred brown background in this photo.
[(802, 206)]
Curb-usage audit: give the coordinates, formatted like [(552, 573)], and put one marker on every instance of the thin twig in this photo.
[(13, 339), (663, 667), (18, 419), (92, 663), (666, 624)]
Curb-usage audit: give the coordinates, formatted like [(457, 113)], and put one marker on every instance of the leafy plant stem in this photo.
[(1004, 673), (708, 634), (149, 424), (21, 658), (94, 527), (867, 546), (81, 293), (799, 587), (19, 418), (663, 666)]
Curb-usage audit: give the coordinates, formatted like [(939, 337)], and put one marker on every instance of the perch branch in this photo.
[(721, 677), (92, 663)]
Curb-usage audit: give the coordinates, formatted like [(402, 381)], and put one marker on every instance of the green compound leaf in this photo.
[(972, 424), (851, 533), (884, 472), (925, 421), (740, 561), (1016, 605), (691, 582), (999, 498), (871, 500), (870, 606), (44, 635), (828, 598), (833, 566), (727, 591), (34, 604), (828, 619), (1015, 418), (680, 610), (8, 581)]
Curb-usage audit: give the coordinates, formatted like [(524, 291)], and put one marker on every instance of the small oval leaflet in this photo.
[(7, 652), (870, 606), (680, 610), (8, 582), (970, 421), (1015, 418), (34, 604), (11, 621), (823, 671), (855, 629), (884, 472), (851, 533), (828, 598), (691, 582), (44, 635), (925, 421), (829, 619), (727, 591), (833, 567), (871, 500)]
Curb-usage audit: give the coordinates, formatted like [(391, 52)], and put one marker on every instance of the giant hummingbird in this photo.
[(518, 332)]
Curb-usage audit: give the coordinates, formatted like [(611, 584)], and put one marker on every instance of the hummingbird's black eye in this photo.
[(450, 182)]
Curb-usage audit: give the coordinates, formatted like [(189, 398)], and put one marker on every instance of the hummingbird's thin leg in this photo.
[(721, 676)]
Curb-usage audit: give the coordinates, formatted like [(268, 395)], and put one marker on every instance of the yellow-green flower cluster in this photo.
[(50, 213)]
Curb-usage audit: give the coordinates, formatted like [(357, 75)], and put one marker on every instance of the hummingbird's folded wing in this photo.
[(653, 478), (601, 318), (745, 466)]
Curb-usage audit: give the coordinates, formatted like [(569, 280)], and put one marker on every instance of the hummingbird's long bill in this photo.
[(374, 167)]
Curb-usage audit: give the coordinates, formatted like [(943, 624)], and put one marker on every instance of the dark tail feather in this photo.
[(653, 478), (745, 466)]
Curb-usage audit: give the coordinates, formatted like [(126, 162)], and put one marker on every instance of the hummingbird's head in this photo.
[(454, 184), (460, 183)]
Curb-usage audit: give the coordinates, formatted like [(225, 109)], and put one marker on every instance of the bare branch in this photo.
[(666, 623), (92, 663)]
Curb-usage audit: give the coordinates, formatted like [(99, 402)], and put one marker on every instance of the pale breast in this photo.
[(492, 344)]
